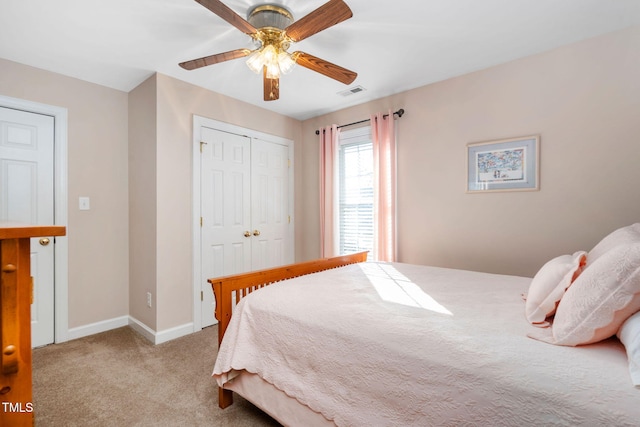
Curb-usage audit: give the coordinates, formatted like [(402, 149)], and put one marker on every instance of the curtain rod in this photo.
[(400, 112)]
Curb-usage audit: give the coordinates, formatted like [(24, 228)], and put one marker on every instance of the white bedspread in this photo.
[(404, 345)]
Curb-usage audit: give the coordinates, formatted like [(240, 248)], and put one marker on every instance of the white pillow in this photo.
[(599, 300), (549, 285), (629, 334), (621, 236)]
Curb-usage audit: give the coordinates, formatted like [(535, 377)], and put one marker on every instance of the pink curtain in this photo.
[(328, 190), (384, 166)]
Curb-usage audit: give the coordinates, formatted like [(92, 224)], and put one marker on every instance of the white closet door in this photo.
[(26, 195), (226, 213), (269, 205), (244, 202)]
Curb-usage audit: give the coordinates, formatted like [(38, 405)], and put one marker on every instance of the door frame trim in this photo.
[(198, 122), (61, 247)]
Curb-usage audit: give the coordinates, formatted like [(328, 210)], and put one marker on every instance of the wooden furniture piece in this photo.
[(245, 283), (15, 320)]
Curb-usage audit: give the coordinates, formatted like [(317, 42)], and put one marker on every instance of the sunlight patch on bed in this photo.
[(393, 286)]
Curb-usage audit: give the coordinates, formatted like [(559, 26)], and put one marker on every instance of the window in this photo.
[(355, 180)]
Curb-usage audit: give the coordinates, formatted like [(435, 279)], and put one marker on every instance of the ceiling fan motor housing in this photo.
[(270, 16)]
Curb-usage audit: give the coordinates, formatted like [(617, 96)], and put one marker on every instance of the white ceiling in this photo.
[(392, 45)]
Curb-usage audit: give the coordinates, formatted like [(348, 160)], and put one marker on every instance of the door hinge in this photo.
[(202, 143), (201, 296), (289, 219), (289, 160), (200, 221)]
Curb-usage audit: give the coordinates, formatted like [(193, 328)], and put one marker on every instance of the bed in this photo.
[(349, 343)]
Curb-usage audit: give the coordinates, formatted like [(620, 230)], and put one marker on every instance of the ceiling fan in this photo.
[(273, 29)]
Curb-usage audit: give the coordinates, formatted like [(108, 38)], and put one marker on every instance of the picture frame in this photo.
[(504, 165)]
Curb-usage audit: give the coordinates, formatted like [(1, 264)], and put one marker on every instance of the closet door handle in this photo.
[(256, 232), (247, 234)]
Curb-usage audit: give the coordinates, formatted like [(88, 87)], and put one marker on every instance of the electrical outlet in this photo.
[(149, 299)]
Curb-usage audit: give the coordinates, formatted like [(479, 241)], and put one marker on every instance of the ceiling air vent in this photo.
[(352, 91)]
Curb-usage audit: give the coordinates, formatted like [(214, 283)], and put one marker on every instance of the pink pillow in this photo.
[(621, 236), (599, 301), (629, 335), (549, 285)]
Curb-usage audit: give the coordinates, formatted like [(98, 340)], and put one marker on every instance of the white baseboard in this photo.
[(136, 325), (162, 336), (96, 328), (173, 333), (142, 329)]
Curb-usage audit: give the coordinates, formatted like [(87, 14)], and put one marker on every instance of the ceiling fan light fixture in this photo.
[(273, 71), (286, 62), (270, 54), (266, 56), (276, 60), (256, 61)]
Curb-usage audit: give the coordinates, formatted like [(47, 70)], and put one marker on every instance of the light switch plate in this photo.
[(84, 203)]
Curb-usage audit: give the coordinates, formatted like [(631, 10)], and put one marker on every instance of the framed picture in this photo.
[(503, 165)]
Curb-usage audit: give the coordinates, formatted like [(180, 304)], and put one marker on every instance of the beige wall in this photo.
[(97, 168), (143, 201), (177, 102), (584, 102)]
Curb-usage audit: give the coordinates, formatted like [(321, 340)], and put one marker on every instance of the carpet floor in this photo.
[(118, 378)]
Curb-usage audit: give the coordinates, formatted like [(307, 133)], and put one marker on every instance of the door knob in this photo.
[(247, 234), (256, 232), (44, 241)]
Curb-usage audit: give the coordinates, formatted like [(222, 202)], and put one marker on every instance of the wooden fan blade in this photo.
[(214, 59), (226, 13), (327, 15), (271, 87), (324, 67)]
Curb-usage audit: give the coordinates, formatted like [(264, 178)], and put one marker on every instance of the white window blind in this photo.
[(355, 204)]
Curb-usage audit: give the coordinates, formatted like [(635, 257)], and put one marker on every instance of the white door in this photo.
[(244, 200), (225, 210), (269, 204), (26, 185)]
